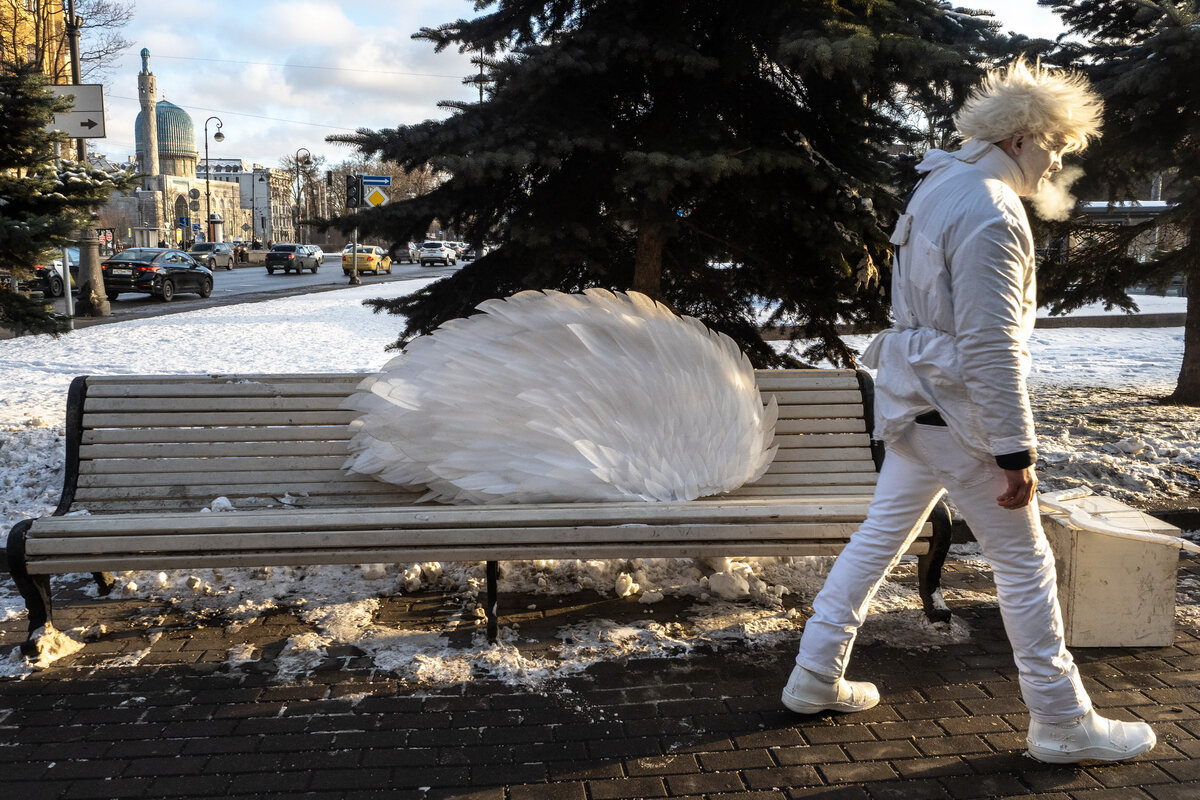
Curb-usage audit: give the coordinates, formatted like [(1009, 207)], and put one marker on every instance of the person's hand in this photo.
[(1022, 483)]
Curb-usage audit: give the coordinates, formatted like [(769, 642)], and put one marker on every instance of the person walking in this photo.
[(952, 406)]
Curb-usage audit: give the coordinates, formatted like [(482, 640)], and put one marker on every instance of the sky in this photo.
[(285, 75)]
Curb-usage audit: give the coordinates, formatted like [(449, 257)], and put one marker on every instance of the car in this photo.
[(407, 253), (48, 278), (370, 259), (160, 271), (317, 253), (460, 248), (434, 251), (475, 252), (288, 257), (213, 254)]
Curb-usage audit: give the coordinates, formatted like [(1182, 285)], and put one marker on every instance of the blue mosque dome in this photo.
[(176, 135)]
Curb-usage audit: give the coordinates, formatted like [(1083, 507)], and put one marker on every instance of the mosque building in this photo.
[(178, 192)]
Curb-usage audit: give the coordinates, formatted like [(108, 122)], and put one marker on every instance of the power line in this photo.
[(312, 66), (243, 114)]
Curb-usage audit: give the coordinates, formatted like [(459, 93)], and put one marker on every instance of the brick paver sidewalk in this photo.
[(182, 723)]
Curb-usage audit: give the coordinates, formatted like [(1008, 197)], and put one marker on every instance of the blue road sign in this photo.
[(184, 222), (377, 180)]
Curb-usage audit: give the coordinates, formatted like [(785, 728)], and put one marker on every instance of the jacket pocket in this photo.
[(927, 266)]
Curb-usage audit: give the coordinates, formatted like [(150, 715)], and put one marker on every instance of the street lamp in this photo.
[(307, 159), (219, 137)]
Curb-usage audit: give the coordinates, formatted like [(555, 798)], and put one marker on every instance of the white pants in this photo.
[(926, 460)]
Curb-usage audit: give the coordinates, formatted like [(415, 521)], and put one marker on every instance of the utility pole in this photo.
[(93, 302)]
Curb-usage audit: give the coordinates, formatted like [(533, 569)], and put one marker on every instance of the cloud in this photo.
[(285, 76)]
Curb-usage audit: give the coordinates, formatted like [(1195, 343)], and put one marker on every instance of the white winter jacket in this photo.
[(964, 303)]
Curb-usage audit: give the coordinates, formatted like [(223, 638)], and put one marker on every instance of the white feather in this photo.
[(552, 397)]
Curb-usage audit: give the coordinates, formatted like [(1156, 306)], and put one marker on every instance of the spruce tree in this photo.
[(731, 161), (1141, 55), (43, 199)]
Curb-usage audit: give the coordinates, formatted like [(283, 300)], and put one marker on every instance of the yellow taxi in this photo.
[(370, 259)]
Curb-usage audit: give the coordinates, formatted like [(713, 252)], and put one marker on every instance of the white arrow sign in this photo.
[(85, 120)]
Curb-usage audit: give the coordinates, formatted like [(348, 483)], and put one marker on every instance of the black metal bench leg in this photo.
[(35, 589), (104, 583), (929, 566), (493, 622)]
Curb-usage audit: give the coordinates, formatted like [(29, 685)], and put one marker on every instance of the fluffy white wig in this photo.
[(1058, 108)]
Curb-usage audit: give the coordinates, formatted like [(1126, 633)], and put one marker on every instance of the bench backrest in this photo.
[(177, 442)]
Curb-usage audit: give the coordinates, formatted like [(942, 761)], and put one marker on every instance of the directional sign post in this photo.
[(85, 120)]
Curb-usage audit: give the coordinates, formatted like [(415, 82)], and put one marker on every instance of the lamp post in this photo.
[(219, 137), (307, 159)]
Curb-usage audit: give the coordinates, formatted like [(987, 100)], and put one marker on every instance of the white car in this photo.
[(434, 252)]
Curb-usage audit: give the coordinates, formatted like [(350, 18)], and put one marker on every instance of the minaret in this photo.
[(146, 96)]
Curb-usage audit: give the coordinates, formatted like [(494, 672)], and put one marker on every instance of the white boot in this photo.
[(807, 693), (1088, 738)]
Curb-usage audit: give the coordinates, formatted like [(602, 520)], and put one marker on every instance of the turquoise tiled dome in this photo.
[(176, 134)]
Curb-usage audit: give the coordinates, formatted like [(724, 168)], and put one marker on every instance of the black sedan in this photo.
[(156, 271)]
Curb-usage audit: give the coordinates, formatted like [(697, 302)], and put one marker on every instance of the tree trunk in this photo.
[(647, 261), (1187, 388)]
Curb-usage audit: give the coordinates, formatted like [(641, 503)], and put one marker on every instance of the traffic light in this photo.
[(354, 191)]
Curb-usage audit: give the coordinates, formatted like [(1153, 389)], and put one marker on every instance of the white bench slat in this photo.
[(227, 389), (770, 380), (790, 426), (152, 383), (857, 441), (752, 490), (806, 397), (137, 505), (835, 455), (356, 485), (817, 467), (741, 511), (117, 453), (220, 418), (632, 535), (190, 404), (229, 477), (495, 552), (283, 433)]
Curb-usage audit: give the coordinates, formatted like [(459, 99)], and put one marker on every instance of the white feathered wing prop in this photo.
[(552, 397)]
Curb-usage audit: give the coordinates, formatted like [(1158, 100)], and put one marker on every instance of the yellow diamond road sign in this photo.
[(376, 197)]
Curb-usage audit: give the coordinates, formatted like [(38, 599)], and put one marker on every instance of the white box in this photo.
[(1114, 592)]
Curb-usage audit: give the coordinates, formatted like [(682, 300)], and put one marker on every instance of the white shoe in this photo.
[(806, 693), (1088, 738)]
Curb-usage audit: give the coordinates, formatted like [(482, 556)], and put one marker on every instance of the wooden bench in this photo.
[(146, 453)]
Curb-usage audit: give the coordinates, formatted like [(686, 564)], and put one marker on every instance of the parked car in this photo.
[(47, 278), (156, 271), (288, 257), (213, 254), (434, 252), (370, 259)]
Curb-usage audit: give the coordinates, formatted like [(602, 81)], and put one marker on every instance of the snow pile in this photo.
[(1095, 420)]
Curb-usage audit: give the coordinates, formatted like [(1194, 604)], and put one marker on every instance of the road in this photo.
[(249, 283)]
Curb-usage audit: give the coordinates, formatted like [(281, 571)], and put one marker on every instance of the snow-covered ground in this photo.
[(1093, 390)]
